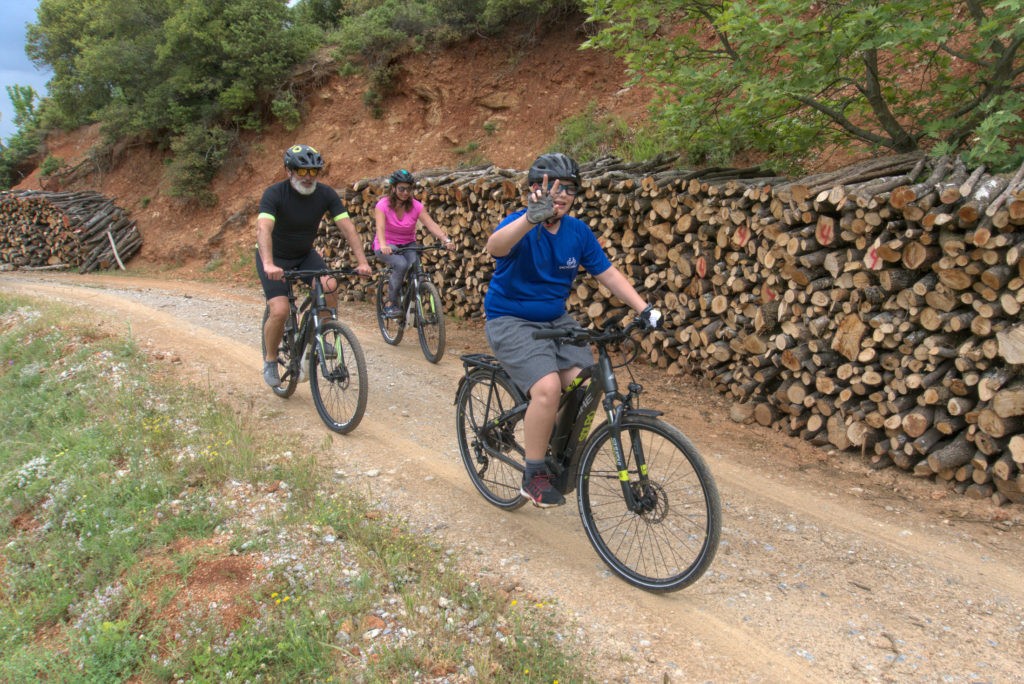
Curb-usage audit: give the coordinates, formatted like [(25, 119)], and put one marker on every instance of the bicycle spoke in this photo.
[(430, 322), (338, 379), (670, 541), (480, 400)]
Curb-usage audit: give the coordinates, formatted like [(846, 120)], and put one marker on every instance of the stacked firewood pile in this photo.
[(60, 230), (876, 308)]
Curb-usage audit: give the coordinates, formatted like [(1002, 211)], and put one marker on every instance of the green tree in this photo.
[(17, 152), (160, 69), (324, 13), (23, 99), (790, 77)]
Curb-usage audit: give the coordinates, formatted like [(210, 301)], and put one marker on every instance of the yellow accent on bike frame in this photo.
[(586, 425), (576, 382), (624, 475), (643, 469)]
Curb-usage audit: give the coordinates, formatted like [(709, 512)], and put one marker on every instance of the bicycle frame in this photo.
[(411, 282), (308, 325), (574, 424)]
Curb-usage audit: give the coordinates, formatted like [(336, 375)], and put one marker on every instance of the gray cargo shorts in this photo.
[(528, 360)]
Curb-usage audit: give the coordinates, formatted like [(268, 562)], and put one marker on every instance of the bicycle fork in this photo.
[(636, 495)]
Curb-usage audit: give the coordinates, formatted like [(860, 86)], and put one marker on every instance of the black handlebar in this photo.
[(416, 248), (612, 332), (553, 333), (300, 274)]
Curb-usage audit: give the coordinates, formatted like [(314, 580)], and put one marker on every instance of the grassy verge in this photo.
[(149, 533)]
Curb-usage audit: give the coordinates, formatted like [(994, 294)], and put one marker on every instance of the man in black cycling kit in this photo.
[(286, 227)]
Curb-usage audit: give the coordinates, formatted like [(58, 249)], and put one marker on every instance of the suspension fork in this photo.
[(614, 409)]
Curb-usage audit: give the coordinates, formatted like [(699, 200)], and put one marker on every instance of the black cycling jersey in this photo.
[(297, 216)]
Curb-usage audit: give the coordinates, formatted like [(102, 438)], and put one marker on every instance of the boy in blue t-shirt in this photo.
[(538, 252)]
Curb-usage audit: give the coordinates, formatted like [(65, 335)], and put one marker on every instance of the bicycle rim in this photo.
[(497, 479), (391, 329), (430, 322), (339, 385), (285, 367), (673, 542)]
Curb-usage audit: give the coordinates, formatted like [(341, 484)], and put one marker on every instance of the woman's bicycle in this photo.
[(419, 303), (327, 350), (648, 502)]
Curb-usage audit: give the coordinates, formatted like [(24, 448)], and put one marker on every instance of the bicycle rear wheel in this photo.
[(391, 329), (672, 541), (497, 473), (288, 368), (339, 385), (430, 321)]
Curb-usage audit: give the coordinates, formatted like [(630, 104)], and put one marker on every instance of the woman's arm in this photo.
[(435, 230), (379, 220)]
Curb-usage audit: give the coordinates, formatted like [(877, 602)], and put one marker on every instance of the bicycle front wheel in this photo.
[(496, 472), (337, 377), (391, 329), (430, 321), (287, 367), (670, 542)]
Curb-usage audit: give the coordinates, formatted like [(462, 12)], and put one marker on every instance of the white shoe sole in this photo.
[(538, 504)]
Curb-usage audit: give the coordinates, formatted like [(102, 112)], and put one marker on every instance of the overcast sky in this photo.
[(15, 67)]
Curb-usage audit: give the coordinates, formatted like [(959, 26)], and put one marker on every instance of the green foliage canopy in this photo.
[(790, 77), (160, 66)]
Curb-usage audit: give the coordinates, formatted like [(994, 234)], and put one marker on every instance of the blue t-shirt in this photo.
[(535, 278)]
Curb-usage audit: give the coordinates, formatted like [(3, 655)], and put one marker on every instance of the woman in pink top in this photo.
[(396, 216)]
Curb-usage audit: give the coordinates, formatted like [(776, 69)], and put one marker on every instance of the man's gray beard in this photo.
[(299, 188)]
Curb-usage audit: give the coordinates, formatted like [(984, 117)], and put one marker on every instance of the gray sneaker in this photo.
[(270, 374), (540, 492)]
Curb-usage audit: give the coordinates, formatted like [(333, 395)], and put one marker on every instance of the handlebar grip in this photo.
[(552, 334)]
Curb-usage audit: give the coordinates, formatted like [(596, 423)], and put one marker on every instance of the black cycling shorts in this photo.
[(278, 288)]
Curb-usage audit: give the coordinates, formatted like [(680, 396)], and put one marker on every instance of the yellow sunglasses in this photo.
[(307, 172)]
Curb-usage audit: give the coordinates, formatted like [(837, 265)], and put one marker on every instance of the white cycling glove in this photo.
[(651, 318)]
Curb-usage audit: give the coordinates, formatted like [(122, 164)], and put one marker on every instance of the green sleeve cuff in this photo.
[(265, 215), (343, 215)]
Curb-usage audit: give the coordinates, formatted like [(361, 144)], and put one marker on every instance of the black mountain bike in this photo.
[(327, 350), (419, 303), (648, 502)]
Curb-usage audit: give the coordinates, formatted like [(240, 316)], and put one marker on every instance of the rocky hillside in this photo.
[(486, 101)]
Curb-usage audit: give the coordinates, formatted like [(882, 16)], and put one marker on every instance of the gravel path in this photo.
[(828, 571)]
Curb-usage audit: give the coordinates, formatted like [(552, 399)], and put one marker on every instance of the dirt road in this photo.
[(827, 571)]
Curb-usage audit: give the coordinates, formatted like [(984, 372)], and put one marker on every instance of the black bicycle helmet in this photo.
[(557, 166), (401, 176), (303, 157)]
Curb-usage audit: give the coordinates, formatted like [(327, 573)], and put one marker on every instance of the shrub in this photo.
[(199, 153)]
